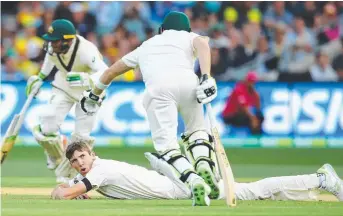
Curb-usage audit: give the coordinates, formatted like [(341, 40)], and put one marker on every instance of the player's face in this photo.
[(56, 46), (82, 161)]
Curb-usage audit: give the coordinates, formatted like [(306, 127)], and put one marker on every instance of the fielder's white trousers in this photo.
[(162, 102), (59, 106), (301, 188)]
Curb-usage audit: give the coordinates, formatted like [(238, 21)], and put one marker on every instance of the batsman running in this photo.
[(166, 62), (74, 59), (120, 180)]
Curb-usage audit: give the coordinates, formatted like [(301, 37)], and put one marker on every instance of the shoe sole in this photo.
[(209, 178), (199, 195)]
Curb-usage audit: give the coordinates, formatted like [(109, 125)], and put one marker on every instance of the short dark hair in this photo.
[(77, 146)]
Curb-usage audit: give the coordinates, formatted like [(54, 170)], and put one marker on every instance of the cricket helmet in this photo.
[(175, 21), (60, 29)]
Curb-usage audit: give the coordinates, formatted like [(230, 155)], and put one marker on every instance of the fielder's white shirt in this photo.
[(164, 57), (121, 180), (82, 56)]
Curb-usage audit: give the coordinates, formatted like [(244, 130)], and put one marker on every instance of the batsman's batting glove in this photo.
[(90, 102), (207, 90), (33, 85)]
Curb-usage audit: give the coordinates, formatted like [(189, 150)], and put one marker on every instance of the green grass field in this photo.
[(24, 171)]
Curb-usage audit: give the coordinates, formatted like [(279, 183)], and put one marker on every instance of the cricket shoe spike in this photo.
[(204, 171), (331, 183), (200, 192)]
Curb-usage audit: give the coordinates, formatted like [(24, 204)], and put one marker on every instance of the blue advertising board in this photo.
[(296, 115)]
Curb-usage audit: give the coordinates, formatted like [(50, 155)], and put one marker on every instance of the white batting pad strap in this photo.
[(172, 153), (164, 168), (198, 135), (53, 144)]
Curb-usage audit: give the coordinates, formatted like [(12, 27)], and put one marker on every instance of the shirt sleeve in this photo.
[(47, 67), (75, 180), (94, 179), (131, 59)]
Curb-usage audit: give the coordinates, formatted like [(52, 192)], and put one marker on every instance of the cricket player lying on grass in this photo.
[(120, 180), (75, 61)]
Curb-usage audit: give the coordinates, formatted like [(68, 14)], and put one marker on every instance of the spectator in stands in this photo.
[(63, 12), (309, 13), (47, 19), (278, 47), (243, 107), (108, 15), (300, 42), (275, 14), (9, 71), (83, 21), (337, 63), (322, 70), (265, 71), (133, 23)]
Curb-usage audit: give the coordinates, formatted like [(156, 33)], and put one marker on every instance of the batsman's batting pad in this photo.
[(180, 163), (76, 137), (164, 168), (53, 144), (64, 170), (200, 151), (48, 119), (199, 147)]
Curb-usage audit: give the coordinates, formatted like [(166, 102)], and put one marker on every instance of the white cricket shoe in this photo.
[(332, 183), (204, 171), (200, 192)]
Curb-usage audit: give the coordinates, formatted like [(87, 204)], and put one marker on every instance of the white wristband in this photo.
[(101, 86)]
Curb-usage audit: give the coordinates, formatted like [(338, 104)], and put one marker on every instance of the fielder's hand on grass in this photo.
[(78, 79), (207, 90), (82, 197), (90, 103)]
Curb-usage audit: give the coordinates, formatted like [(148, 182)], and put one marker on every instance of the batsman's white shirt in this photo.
[(164, 57), (166, 62), (121, 180), (82, 56)]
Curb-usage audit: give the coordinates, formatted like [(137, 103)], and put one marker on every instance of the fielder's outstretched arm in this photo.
[(65, 192)]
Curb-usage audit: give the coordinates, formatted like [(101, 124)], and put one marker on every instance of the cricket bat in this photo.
[(223, 162), (13, 130)]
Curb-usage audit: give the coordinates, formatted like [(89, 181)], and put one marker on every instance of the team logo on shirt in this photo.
[(50, 29)]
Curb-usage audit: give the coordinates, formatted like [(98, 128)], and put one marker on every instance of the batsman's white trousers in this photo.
[(301, 187), (60, 104), (162, 102)]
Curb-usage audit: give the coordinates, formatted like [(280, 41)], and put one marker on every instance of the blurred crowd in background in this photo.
[(281, 41)]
